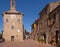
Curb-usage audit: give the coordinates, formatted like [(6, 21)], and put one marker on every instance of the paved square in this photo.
[(26, 43)]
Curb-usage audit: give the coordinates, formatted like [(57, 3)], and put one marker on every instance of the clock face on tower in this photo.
[(13, 16)]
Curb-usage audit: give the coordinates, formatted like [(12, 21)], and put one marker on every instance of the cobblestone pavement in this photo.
[(26, 43)]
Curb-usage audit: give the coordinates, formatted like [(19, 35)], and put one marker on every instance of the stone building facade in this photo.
[(54, 25), (26, 34), (13, 24), (45, 22), (35, 30)]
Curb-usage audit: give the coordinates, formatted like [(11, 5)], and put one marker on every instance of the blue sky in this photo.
[(30, 9)]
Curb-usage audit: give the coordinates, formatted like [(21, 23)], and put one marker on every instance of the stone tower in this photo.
[(13, 25)]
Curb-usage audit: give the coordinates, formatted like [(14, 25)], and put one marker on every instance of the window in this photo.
[(16, 35), (12, 27), (50, 17), (54, 16), (18, 20), (12, 3), (47, 23), (6, 20)]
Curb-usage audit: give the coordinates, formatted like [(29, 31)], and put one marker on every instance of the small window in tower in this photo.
[(12, 27), (6, 20), (18, 20), (16, 35), (12, 3)]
